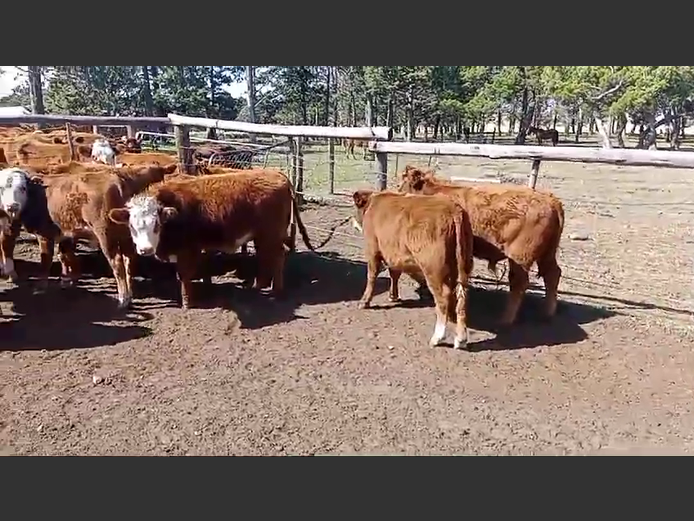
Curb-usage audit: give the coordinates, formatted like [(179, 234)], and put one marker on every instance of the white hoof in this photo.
[(439, 334), (460, 343)]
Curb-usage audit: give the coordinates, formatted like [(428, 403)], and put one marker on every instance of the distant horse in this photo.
[(349, 145), (541, 135)]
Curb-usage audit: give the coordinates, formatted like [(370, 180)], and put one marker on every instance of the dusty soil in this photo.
[(314, 375)]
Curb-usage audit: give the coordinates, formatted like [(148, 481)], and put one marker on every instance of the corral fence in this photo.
[(619, 215)]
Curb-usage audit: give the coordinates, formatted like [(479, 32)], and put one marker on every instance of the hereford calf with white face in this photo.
[(176, 220), (23, 203), (14, 187)]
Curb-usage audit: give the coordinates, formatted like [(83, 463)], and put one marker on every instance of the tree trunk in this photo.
[(437, 126), (353, 108), (675, 139), (149, 103), (409, 116), (526, 118), (390, 114), (209, 110), (579, 124), (368, 111), (621, 125), (36, 89), (326, 117), (603, 131)]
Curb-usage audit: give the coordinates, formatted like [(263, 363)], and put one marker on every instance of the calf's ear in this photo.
[(168, 213), (119, 215), (361, 198), (170, 169)]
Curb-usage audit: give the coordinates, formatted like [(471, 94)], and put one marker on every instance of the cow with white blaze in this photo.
[(179, 219), (14, 188), (102, 152), (24, 205)]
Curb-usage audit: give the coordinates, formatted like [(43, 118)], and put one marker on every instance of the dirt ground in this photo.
[(313, 375)]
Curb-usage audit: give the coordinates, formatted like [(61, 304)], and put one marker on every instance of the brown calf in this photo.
[(34, 152), (541, 135), (145, 158), (427, 237), (513, 222), (80, 202), (177, 220)]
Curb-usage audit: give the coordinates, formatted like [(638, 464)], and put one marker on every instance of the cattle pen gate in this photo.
[(651, 202)]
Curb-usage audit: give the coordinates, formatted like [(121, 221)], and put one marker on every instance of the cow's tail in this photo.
[(296, 215), (463, 248)]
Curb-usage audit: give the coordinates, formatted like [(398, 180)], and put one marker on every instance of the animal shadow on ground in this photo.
[(485, 308), (70, 318), (310, 279)]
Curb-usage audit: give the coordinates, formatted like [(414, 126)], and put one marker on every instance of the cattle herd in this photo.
[(127, 203)]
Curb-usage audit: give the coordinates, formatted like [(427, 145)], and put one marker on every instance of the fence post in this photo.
[(331, 159), (70, 144), (381, 170), (130, 129), (184, 152), (95, 129), (299, 186), (534, 171)]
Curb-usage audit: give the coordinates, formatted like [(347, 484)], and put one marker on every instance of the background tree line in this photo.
[(430, 102)]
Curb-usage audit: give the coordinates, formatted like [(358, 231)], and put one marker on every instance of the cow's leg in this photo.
[(442, 298), (373, 266), (7, 244), (127, 249), (185, 269), (206, 263), (47, 247), (278, 271), (550, 272), (111, 251), (459, 304), (68, 262), (518, 283), (394, 293), (264, 254)]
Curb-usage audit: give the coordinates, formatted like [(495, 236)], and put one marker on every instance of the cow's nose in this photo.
[(146, 252)]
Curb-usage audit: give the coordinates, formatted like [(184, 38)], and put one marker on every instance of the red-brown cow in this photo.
[(509, 222), (79, 203), (177, 220), (427, 237)]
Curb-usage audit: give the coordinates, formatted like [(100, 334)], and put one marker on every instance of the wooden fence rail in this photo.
[(657, 158), (182, 126)]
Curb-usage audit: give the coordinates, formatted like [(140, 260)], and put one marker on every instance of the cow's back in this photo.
[(513, 221), (218, 211), (412, 230)]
